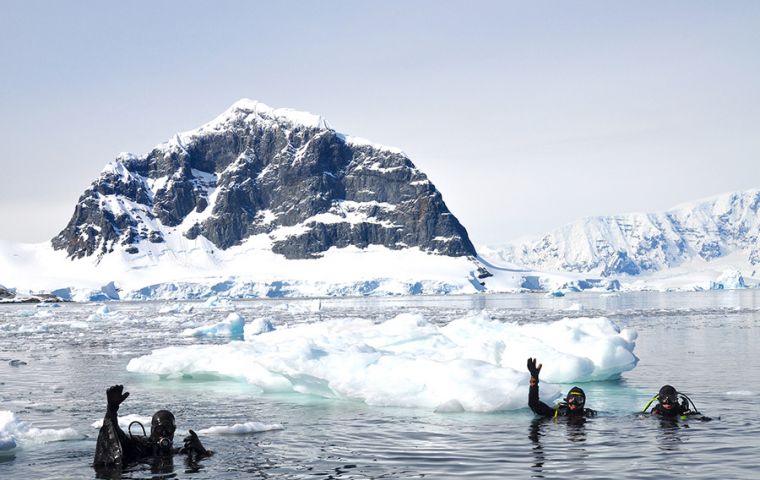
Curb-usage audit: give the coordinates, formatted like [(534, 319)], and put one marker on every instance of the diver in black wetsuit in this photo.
[(669, 406), (573, 406), (117, 449)]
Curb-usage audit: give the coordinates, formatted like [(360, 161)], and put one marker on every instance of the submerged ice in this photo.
[(472, 363)]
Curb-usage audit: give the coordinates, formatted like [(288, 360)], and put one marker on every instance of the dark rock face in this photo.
[(254, 171), (10, 296)]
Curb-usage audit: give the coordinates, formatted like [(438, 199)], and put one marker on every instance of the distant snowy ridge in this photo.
[(705, 231)]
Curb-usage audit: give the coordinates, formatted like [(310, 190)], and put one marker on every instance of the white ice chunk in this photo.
[(452, 406), (110, 290), (257, 327), (240, 428), (169, 309), (216, 303), (211, 302), (729, 280), (101, 313), (473, 362), (125, 420), (16, 433), (232, 326)]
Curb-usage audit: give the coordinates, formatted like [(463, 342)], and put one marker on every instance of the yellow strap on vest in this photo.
[(650, 402)]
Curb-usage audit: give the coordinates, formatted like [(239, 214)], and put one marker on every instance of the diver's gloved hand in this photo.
[(115, 396), (534, 371), (193, 445)]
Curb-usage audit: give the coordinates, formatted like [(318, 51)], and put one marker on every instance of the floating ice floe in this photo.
[(257, 327), (125, 420), (102, 312), (176, 308), (232, 326), (32, 328), (240, 428), (48, 305), (471, 364), (15, 433), (216, 303)]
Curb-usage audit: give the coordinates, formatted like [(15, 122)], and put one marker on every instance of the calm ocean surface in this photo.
[(704, 343)]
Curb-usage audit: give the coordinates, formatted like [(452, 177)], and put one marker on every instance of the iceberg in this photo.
[(257, 327), (473, 363), (729, 280), (232, 326)]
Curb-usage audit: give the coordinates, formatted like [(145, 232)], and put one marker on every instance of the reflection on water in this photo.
[(704, 343), (574, 450), (669, 440)]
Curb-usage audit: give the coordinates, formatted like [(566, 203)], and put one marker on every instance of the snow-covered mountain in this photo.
[(258, 171), (264, 202), (698, 233), (257, 202)]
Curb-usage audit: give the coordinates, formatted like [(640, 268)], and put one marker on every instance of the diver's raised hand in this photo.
[(534, 371), (193, 445), (115, 395)]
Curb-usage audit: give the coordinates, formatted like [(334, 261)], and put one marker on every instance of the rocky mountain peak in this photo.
[(275, 175)]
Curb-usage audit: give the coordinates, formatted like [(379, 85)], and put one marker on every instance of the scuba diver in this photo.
[(118, 449), (669, 406), (573, 405)]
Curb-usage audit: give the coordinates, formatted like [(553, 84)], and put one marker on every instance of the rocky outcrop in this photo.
[(10, 296), (260, 171), (6, 294)]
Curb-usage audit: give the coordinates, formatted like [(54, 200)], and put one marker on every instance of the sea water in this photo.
[(314, 419)]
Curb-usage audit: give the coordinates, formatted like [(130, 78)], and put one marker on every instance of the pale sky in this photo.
[(525, 115)]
